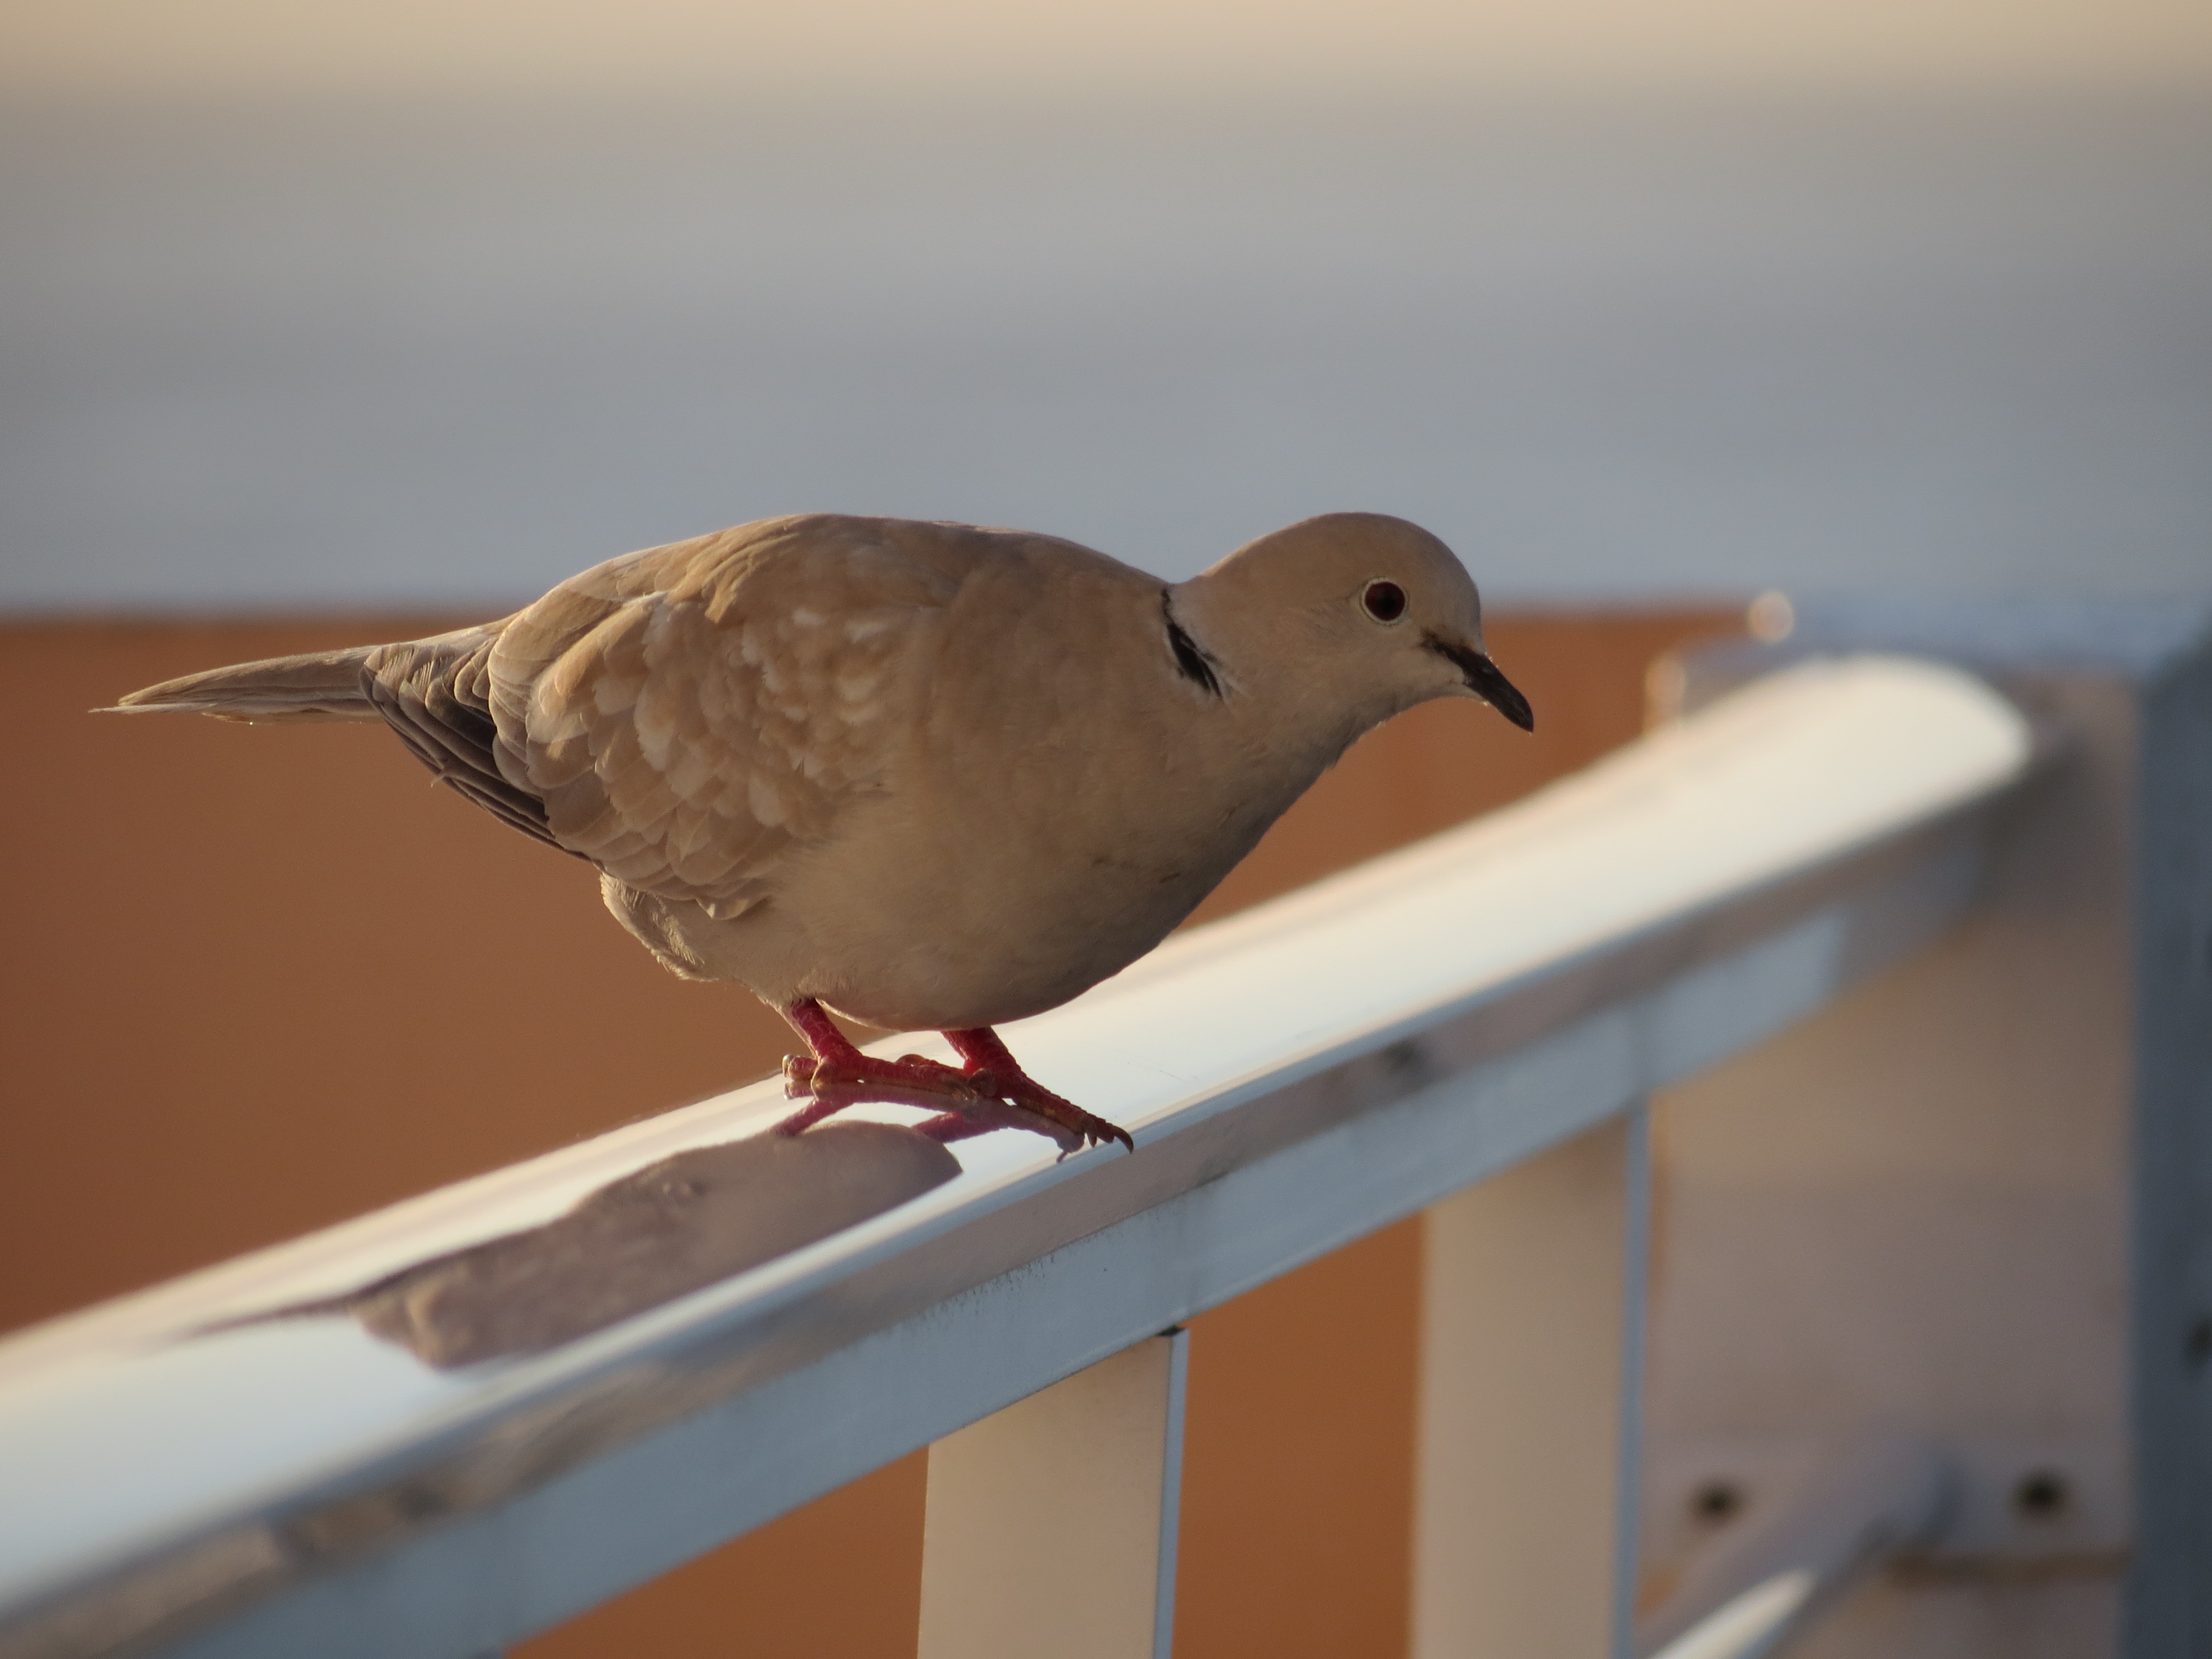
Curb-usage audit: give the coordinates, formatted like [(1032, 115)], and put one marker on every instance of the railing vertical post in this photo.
[(1051, 1525), (2170, 1595), (1635, 1292), (1532, 1326)]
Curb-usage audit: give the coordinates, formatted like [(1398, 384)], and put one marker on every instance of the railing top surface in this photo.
[(120, 1428)]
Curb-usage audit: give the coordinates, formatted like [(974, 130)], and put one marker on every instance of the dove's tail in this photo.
[(434, 693), (323, 685)]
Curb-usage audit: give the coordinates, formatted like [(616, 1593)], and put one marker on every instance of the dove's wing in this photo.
[(691, 714)]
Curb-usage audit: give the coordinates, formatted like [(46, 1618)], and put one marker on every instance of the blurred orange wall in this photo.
[(257, 980)]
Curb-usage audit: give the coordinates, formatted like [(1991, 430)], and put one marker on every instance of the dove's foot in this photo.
[(837, 1075), (994, 1072), (848, 1080)]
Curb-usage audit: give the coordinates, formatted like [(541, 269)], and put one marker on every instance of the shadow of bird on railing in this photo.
[(661, 1232)]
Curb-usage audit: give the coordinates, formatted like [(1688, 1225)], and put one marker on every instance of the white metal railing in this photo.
[(490, 1417)]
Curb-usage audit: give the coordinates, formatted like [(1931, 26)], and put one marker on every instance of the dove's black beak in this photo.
[(1485, 682)]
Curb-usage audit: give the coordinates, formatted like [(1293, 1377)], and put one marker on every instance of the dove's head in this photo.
[(1357, 607)]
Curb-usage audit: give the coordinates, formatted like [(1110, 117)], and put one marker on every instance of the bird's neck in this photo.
[(1263, 657)]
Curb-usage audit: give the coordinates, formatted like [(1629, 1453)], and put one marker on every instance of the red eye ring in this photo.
[(1384, 601)]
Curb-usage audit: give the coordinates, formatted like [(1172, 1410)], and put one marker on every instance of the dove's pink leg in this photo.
[(992, 1092), (839, 1075), (994, 1071)]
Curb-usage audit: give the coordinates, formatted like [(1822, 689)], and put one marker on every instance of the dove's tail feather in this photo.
[(322, 685), (434, 693)]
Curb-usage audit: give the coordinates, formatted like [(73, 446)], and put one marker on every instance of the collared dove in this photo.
[(927, 776)]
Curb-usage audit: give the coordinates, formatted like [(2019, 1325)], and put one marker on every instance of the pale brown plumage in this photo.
[(932, 775)]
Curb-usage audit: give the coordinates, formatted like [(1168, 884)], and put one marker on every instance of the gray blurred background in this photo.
[(316, 329)]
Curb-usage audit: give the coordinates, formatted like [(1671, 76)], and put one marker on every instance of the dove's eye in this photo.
[(1384, 601)]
